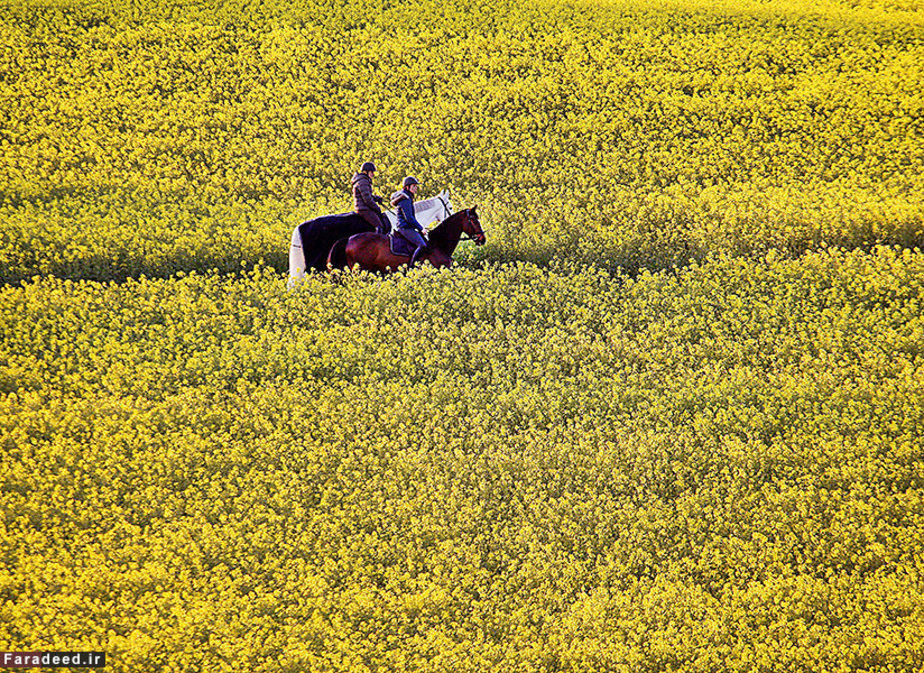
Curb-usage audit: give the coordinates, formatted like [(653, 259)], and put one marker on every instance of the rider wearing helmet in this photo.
[(408, 227), (365, 203)]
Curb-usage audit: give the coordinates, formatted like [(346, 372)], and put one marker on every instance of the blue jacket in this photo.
[(403, 201)]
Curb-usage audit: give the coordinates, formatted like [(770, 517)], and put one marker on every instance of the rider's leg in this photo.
[(414, 237), (418, 253), (372, 219)]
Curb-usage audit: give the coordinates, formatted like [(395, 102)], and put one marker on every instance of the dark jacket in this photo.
[(403, 201), (363, 198)]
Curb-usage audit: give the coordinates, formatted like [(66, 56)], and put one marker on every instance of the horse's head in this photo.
[(471, 225)]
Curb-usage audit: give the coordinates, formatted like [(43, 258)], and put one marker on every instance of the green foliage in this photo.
[(157, 137), (505, 468)]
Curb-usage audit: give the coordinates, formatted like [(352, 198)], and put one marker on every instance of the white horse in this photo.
[(427, 212)]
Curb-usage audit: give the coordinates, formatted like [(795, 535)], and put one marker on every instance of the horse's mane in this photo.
[(427, 211), (440, 199)]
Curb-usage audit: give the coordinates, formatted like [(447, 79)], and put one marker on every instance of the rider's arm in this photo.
[(368, 198)]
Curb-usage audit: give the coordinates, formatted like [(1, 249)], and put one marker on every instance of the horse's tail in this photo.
[(297, 263), (337, 259)]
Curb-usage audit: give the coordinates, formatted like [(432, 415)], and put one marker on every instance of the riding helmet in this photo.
[(408, 181), (367, 167)]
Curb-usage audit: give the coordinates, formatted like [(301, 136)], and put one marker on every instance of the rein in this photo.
[(479, 232)]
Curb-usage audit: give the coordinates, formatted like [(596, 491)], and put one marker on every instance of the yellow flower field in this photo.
[(668, 419), (502, 469)]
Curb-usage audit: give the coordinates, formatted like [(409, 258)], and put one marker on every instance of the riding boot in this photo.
[(418, 253)]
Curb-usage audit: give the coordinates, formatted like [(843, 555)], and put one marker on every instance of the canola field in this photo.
[(479, 470), (669, 418)]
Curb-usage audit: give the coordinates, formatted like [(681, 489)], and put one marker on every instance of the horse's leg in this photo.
[(438, 259)]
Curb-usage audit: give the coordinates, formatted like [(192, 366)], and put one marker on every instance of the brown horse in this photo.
[(372, 252)]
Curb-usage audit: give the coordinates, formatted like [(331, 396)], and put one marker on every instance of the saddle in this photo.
[(400, 247)]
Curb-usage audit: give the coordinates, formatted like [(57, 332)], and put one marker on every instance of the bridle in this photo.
[(479, 236), (445, 203)]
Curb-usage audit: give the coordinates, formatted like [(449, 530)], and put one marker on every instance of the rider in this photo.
[(408, 227), (365, 203)]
